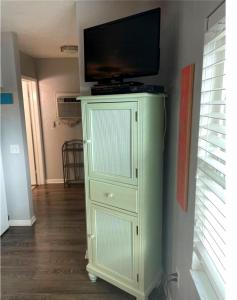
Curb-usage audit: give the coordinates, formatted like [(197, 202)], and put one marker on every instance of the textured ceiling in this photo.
[(41, 26)]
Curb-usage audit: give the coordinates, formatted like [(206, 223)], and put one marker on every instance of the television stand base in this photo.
[(126, 88)]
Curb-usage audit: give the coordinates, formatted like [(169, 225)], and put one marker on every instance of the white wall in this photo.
[(182, 38), (91, 13), (16, 166), (57, 75)]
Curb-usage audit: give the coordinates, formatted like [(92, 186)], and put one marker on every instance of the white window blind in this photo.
[(210, 209)]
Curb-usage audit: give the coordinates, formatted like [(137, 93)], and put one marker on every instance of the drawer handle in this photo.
[(109, 195)]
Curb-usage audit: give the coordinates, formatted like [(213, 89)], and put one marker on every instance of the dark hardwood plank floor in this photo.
[(46, 261)]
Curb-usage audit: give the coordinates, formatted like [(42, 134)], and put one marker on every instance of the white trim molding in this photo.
[(51, 181), (37, 129), (28, 222)]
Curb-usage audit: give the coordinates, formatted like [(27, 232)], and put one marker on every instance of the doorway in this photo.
[(33, 131)]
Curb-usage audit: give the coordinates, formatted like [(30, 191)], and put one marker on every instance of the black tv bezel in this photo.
[(91, 79)]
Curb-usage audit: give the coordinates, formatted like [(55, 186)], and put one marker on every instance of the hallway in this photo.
[(46, 261)]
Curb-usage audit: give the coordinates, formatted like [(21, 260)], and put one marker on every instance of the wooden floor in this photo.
[(46, 261)]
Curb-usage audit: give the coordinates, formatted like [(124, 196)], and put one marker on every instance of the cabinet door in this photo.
[(112, 141), (114, 244)]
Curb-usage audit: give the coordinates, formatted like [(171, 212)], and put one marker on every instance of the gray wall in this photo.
[(28, 67), (54, 76), (182, 36), (16, 166), (59, 75)]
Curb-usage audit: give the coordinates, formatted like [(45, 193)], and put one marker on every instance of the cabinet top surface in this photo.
[(135, 96)]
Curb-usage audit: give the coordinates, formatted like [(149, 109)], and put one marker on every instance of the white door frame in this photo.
[(4, 222), (37, 130)]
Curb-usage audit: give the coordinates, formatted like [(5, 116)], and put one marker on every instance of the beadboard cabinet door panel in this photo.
[(112, 141), (114, 244)]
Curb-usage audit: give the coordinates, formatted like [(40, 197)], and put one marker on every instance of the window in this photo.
[(209, 253)]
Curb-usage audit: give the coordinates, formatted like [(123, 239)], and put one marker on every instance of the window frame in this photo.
[(207, 287)]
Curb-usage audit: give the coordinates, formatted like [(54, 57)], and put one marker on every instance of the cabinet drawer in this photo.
[(121, 197)]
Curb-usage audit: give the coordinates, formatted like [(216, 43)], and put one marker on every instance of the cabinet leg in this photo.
[(92, 277)]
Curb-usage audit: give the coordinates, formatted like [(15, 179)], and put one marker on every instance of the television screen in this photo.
[(124, 48)]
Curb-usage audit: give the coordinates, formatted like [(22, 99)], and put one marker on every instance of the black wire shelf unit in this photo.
[(73, 166)]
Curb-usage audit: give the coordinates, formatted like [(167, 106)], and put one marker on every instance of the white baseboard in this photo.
[(29, 222), (49, 181)]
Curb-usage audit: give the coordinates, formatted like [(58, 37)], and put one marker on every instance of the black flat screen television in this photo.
[(124, 48)]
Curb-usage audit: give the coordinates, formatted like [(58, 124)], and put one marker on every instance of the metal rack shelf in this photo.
[(73, 166)]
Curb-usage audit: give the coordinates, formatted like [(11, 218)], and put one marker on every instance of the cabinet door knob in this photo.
[(109, 195), (87, 141), (91, 236)]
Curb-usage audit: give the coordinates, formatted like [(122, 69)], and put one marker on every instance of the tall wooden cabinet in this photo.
[(123, 156)]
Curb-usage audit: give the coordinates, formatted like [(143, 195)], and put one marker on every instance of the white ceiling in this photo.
[(41, 26)]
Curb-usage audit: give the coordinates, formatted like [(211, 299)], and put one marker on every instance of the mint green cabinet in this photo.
[(123, 154)]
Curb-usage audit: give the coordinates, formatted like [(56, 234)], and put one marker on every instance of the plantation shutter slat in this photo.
[(214, 140), (212, 150), (214, 127), (214, 115), (211, 185), (210, 209)]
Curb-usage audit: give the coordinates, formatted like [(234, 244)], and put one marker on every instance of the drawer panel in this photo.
[(121, 197)]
